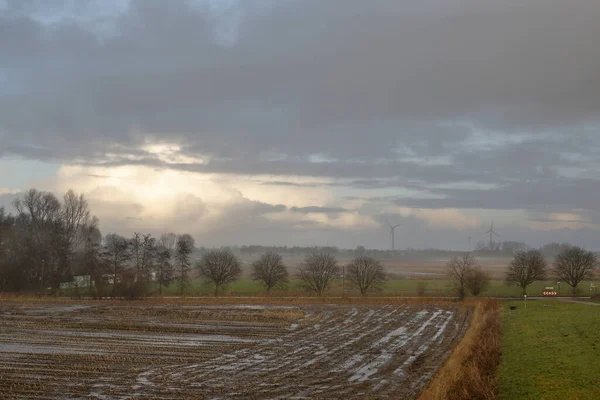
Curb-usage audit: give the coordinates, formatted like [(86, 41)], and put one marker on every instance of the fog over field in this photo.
[(308, 122)]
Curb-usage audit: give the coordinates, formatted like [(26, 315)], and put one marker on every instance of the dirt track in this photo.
[(121, 350)]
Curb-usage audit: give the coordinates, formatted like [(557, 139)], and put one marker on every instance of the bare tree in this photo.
[(574, 265), (49, 237), (148, 257), (76, 219), (317, 272), (168, 240), (458, 270), (56, 231), (477, 281), (366, 273), (270, 270), (143, 249), (526, 268), (94, 266), (164, 268), (41, 207), (6, 227), (219, 267), (48, 252), (116, 255), (185, 247), (136, 255)]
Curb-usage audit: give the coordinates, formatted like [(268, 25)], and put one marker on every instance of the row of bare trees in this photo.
[(467, 276), (50, 240), (572, 266), (316, 273), (129, 265)]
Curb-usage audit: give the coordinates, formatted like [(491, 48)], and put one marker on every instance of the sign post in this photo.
[(525, 296)]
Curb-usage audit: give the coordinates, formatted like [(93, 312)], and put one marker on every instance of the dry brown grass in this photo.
[(287, 315), (226, 300), (470, 371), (301, 300), (235, 300)]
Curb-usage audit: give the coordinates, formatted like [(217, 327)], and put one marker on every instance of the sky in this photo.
[(309, 122)]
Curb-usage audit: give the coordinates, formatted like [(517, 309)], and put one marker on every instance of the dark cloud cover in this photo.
[(438, 96)]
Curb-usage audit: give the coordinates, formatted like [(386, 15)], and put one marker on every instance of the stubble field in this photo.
[(118, 350)]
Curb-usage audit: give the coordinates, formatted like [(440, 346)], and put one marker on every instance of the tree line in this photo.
[(49, 241), (316, 273), (41, 243), (572, 265)]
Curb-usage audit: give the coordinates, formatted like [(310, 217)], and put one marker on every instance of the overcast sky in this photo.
[(309, 122)]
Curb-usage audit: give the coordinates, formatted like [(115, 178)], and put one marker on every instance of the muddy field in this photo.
[(116, 350)]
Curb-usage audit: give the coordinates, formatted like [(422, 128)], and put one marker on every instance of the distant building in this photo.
[(110, 279), (151, 277), (83, 280), (79, 281)]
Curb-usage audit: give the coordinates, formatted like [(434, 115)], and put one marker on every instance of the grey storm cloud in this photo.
[(385, 93), (544, 195)]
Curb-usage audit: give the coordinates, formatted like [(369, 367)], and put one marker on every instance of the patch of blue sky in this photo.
[(15, 172)]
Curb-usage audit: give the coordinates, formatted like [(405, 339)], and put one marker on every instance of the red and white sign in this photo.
[(549, 293)]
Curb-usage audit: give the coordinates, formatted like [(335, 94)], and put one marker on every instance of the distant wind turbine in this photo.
[(491, 232), (392, 237)]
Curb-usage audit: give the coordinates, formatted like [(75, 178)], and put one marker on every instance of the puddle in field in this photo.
[(240, 307), (185, 340), (336, 351), (35, 349)]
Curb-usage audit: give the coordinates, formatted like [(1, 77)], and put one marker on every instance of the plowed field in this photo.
[(182, 351)]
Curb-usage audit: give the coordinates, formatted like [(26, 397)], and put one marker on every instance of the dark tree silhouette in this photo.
[(366, 273), (573, 265), (317, 272), (477, 281), (526, 268), (458, 270), (168, 240), (164, 268), (220, 268), (116, 255), (185, 246), (270, 270)]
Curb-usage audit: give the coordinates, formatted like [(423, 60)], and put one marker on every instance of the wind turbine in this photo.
[(491, 232), (392, 229)]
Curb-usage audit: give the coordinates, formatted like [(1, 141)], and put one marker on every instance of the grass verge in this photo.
[(394, 287), (470, 371), (550, 350)]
